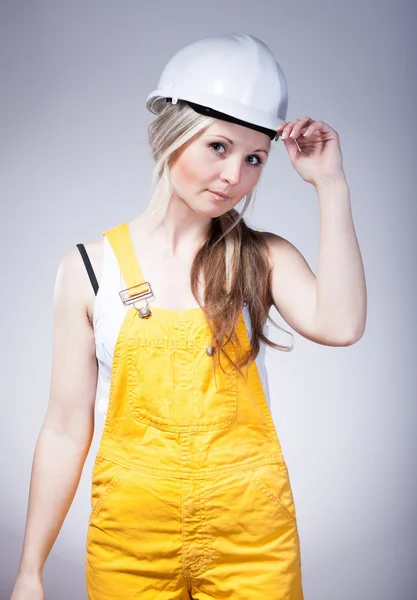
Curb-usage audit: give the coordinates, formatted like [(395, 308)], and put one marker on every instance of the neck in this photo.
[(177, 230)]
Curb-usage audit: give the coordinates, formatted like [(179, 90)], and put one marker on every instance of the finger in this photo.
[(318, 126), (312, 129), (286, 132), (299, 126)]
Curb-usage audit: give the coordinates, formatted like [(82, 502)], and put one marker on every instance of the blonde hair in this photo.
[(233, 258)]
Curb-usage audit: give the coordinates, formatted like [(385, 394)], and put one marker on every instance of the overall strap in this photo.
[(122, 245)]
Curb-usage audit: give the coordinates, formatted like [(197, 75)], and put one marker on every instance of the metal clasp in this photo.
[(136, 293)]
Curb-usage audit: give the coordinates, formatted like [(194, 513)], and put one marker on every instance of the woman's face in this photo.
[(226, 158)]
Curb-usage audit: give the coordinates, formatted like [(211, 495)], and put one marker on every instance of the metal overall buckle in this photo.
[(138, 295)]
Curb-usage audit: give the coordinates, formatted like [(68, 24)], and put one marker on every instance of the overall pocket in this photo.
[(106, 477), (273, 480), (172, 385)]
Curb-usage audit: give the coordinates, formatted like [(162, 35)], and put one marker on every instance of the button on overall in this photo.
[(189, 485)]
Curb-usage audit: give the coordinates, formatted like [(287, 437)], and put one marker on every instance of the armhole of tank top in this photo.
[(261, 358), (97, 298)]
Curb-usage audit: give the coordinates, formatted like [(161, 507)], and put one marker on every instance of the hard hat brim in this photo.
[(227, 109), (209, 112)]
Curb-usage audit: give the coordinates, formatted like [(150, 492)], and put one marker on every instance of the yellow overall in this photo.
[(191, 496)]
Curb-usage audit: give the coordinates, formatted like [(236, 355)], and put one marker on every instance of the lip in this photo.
[(219, 195)]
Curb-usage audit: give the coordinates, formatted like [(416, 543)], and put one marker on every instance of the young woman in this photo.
[(191, 496)]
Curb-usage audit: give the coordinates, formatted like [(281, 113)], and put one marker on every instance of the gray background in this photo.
[(75, 161)]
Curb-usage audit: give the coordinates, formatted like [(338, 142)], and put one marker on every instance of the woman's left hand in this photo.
[(316, 156)]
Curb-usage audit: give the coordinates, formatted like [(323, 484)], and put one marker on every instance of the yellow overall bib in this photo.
[(191, 496)]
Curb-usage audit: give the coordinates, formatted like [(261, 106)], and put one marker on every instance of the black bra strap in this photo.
[(89, 267)]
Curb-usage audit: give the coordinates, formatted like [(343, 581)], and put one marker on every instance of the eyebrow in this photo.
[(231, 142)]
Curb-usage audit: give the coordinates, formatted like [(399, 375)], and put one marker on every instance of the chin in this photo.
[(211, 211)]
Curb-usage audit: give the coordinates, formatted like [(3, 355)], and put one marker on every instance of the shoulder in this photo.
[(279, 248), (72, 278), (94, 250)]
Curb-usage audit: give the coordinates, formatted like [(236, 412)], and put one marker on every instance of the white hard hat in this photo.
[(234, 77)]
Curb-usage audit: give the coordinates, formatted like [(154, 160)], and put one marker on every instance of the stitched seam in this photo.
[(270, 494), (184, 566), (113, 483), (203, 473)]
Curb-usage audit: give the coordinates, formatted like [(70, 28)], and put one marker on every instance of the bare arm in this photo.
[(294, 291), (67, 431), (329, 308)]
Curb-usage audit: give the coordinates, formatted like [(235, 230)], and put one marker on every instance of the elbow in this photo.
[(354, 337), (75, 425)]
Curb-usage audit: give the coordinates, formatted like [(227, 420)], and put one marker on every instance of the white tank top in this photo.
[(108, 315)]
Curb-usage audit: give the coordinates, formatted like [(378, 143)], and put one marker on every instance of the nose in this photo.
[(232, 172)]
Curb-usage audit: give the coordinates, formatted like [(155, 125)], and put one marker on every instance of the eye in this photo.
[(258, 158), (213, 144)]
